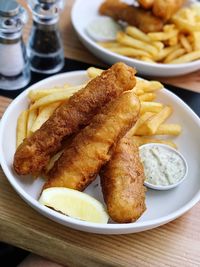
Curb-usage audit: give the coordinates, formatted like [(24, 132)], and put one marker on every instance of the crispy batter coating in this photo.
[(135, 16), (122, 181), (33, 155), (165, 9), (92, 147), (147, 4)]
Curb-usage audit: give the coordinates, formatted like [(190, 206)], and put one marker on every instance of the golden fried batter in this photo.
[(147, 4), (135, 16), (165, 9), (122, 181), (33, 155), (92, 147)]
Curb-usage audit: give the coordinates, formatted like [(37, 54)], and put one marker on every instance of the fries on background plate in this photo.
[(176, 42)]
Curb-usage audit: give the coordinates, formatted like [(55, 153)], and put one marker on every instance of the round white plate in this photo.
[(85, 11), (162, 207)]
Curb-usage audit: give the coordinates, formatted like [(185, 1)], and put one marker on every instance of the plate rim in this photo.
[(75, 223)]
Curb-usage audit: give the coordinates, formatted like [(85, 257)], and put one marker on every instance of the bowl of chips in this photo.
[(173, 51)]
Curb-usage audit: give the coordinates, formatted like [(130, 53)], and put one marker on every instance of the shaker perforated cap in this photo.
[(9, 8)]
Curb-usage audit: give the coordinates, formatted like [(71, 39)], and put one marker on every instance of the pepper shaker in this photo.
[(14, 65), (45, 49)]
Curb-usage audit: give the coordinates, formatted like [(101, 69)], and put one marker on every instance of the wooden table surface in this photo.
[(174, 244)]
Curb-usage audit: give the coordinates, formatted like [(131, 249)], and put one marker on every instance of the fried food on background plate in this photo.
[(33, 155), (81, 161), (147, 4), (165, 9), (122, 181), (135, 16)]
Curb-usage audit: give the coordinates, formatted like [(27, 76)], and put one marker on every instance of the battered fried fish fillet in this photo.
[(33, 155), (147, 4), (92, 147), (122, 181), (135, 16), (165, 9)]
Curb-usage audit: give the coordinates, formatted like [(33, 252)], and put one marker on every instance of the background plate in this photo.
[(85, 11)]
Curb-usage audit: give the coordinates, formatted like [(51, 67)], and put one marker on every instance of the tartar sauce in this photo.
[(103, 29), (162, 166)]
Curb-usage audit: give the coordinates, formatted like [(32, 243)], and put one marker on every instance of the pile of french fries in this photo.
[(151, 122), (43, 102), (179, 42)]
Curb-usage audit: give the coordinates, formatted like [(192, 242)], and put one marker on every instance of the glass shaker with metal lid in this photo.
[(14, 66), (45, 48)]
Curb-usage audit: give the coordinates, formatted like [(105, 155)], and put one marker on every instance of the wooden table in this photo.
[(174, 244)]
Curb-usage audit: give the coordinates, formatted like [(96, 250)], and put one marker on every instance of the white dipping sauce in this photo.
[(103, 29), (162, 166)]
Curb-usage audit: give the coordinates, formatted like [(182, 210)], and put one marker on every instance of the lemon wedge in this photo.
[(75, 204)]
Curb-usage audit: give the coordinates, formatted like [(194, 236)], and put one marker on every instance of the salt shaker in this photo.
[(14, 65), (45, 49)]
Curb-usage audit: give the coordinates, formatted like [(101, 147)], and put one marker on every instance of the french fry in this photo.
[(184, 25), (154, 122), (140, 140), (44, 113), (166, 51), (163, 36), (175, 54), (147, 97), (142, 119), (21, 127), (138, 34), (196, 40), (185, 43), (37, 94), (93, 72), (147, 86), (151, 107), (129, 51), (196, 8), (169, 129), (168, 27), (190, 15), (138, 92), (55, 97), (187, 58), (32, 115), (173, 41), (124, 39), (159, 45), (163, 129)]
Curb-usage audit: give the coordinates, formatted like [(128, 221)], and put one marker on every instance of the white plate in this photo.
[(85, 11), (162, 207)]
